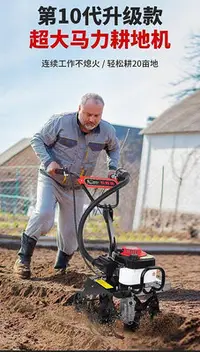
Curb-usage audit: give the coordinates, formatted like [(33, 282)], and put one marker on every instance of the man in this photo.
[(72, 141)]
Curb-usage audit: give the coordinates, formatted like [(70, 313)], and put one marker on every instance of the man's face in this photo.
[(90, 115)]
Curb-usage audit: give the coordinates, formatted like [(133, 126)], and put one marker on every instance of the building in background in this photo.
[(169, 182)]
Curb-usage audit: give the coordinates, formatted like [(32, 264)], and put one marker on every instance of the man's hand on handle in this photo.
[(52, 167)]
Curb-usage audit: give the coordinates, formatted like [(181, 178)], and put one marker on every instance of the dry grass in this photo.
[(95, 229)]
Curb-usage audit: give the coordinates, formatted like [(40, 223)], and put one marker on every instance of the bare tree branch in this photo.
[(191, 77)]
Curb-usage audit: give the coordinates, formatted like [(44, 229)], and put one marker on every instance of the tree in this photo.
[(190, 81)]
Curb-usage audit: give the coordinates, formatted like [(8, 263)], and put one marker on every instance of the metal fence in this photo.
[(18, 186), (18, 190)]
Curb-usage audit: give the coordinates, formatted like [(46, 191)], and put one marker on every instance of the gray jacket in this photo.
[(62, 140)]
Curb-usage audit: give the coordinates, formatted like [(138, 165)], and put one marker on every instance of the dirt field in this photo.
[(33, 314)]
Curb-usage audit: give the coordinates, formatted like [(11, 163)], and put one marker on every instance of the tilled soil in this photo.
[(34, 314)]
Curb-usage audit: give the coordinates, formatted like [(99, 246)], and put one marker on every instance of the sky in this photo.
[(30, 94)]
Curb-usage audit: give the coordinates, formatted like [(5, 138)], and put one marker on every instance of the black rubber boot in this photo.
[(22, 264), (62, 261)]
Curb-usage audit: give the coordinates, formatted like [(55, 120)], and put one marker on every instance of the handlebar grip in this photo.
[(59, 171), (122, 174)]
